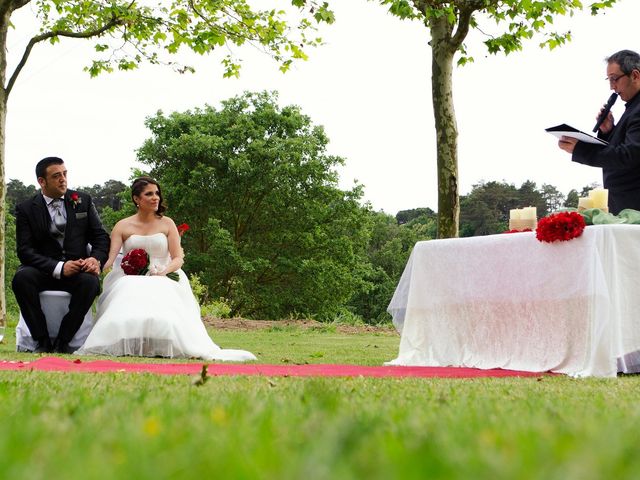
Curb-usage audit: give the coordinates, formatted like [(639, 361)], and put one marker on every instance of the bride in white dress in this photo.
[(151, 315)]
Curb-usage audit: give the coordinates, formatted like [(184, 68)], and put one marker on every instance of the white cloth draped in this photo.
[(152, 315), (510, 301)]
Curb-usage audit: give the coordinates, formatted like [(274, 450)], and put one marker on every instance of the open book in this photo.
[(568, 131)]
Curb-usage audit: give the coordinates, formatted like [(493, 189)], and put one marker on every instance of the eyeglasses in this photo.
[(613, 80)]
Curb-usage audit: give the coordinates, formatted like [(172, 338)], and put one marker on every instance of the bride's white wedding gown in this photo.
[(151, 315)]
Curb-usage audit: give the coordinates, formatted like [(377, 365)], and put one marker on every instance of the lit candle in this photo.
[(585, 203), (514, 214), (528, 213), (599, 197)]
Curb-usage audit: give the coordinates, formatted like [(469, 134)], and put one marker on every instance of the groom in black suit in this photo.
[(54, 230)]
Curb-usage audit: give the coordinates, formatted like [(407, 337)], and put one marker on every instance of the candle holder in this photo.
[(582, 209)]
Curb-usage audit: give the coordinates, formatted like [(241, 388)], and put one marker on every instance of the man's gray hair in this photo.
[(627, 59)]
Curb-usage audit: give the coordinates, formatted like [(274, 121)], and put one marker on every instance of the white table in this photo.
[(510, 301)]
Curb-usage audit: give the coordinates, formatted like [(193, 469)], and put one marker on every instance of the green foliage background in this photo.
[(271, 231), (272, 236)]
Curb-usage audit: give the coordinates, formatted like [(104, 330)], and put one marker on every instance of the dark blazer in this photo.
[(36, 245), (620, 160)]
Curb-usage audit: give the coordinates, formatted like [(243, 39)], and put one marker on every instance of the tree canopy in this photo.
[(271, 232), (126, 34)]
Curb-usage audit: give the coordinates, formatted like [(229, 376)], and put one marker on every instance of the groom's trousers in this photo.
[(27, 284)]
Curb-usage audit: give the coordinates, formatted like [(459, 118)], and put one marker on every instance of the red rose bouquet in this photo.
[(561, 226), (136, 262)]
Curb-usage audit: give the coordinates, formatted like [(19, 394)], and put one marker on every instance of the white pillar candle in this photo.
[(528, 213), (585, 203), (599, 197), (514, 214)]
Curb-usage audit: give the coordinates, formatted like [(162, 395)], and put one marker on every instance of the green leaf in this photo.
[(173, 276), (127, 33)]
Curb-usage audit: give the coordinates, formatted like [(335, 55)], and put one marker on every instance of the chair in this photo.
[(55, 305)]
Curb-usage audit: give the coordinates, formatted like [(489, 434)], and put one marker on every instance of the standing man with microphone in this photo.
[(620, 159)]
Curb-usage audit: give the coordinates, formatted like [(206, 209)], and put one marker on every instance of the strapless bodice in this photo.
[(156, 245)]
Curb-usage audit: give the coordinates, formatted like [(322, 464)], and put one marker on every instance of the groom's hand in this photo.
[(71, 268), (91, 265)]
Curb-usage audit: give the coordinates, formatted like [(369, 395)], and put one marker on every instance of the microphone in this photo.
[(605, 112)]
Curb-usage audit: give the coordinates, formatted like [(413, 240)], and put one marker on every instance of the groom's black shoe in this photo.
[(62, 347), (43, 346)]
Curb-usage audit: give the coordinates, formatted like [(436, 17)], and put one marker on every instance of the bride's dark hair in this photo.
[(139, 184)]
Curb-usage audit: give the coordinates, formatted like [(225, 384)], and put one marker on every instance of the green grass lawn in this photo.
[(118, 425)]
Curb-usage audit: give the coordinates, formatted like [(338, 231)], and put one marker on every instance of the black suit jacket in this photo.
[(36, 245), (620, 160)]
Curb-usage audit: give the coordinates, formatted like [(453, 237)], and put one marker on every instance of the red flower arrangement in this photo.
[(136, 262), (561, 226), (183, 228)]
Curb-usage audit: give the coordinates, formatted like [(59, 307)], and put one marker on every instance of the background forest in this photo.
[(271, 235)]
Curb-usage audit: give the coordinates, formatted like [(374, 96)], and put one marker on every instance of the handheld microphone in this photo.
[(605, 112)]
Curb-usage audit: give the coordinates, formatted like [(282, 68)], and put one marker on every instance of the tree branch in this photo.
[(17, 4), (422, 5), (7, 6), (464, 20), (115, 21), (219, 28)]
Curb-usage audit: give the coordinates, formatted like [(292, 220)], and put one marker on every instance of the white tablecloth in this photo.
[(510, 301)]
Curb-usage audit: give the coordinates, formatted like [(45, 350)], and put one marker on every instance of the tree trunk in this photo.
[(3, 190), (446, 129), (4, 25)]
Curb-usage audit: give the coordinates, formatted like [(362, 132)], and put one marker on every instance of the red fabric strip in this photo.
[(56, 364)]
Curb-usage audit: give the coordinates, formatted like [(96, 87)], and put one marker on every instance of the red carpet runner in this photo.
[(55, 364)]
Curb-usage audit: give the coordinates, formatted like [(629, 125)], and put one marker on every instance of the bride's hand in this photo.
[(155, 270)]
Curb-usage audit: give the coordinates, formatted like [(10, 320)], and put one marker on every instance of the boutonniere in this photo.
[(75, 198)]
